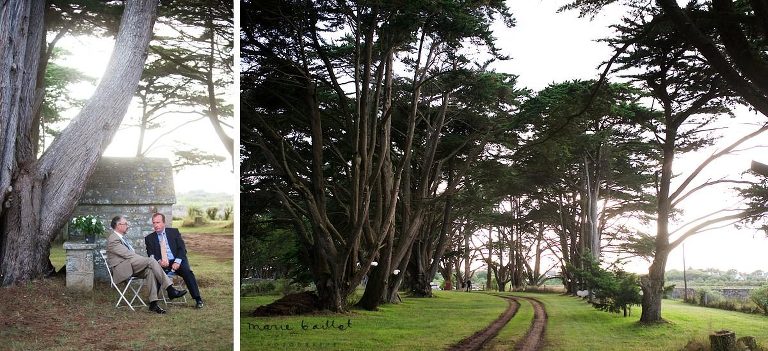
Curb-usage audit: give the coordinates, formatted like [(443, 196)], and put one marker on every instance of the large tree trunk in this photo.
[(21, 42), (45, 192), (375, 289), (653, 283), (330, 293), (213, 105), (653, 289)]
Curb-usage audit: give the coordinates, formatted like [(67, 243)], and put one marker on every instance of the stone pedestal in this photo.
[(79, 265)]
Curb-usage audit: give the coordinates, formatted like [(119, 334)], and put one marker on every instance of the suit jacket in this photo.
[(119, 258), (174, 241)]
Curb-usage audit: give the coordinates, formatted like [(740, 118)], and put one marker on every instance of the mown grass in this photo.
[(574, 325), (414, 324), (431, 324), (44, 315)]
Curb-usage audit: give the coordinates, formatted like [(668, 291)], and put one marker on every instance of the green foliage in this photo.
[(194, 211), (706, 296), (269, 250), (195, 157), (760, 298), (711, 298), (713, 277), (89, 224), (612, 291), (227, 212), (211, 212), (58, 97)]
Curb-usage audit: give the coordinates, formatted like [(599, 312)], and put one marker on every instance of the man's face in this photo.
[(122, 226), (158, 224)]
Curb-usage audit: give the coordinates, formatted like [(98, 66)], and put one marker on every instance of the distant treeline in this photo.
[(716, 277), (204, 199)]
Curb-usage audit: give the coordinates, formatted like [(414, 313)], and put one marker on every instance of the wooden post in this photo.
[(723, 340)]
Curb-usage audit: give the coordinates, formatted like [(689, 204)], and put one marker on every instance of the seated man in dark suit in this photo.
[(167, 246)]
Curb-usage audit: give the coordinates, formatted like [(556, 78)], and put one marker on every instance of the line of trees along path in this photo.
[(376, 140)]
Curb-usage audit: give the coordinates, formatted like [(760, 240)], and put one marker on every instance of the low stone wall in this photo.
[(729, 293)]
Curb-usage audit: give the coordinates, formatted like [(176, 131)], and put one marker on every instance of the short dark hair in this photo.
[(159, 214), (115, 219)]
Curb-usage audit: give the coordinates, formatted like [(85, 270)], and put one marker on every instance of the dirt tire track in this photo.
[(534, 337), (478, 339)]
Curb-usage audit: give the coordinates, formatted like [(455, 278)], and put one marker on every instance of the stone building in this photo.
[(134, 187)]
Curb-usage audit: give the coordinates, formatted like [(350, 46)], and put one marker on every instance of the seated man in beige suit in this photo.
[(125, 262)]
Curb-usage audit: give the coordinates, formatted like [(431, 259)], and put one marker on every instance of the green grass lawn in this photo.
[(434, 324), (574, 325), (415, 324)]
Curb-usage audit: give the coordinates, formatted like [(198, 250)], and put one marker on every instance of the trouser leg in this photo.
[(189, 279), (151, 271)]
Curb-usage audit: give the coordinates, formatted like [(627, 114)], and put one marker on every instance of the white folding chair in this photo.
[(178, 284), (134, 283)]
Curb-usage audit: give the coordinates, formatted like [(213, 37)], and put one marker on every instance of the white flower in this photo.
[(374, 264), (396, 272)]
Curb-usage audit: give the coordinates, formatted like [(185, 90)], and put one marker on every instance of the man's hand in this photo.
[(163, 263), (175, 266)]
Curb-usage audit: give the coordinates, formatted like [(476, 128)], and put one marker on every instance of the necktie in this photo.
[(164, 248), (127, 244)]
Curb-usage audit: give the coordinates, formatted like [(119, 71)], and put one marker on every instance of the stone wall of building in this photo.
[(134, 187)]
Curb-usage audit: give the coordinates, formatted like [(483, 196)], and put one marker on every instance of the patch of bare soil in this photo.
[(219, 246), (477, 340), (534, 338), (44, 316), (292, 304)]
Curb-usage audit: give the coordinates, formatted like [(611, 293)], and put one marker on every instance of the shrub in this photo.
[(211, 212), (708, 297), (194, 211), (760, 298), (258, 287), (270, 287), (612, 291), (227, 213)]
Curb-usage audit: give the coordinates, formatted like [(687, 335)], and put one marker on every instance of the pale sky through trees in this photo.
[(90, 55), (548, 47)]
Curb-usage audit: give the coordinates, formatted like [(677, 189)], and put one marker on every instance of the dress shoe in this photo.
[(173, 293), (154, 307), (199, 303)]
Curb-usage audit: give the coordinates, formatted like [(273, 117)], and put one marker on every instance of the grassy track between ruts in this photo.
[(415, 324), (514, 330)]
